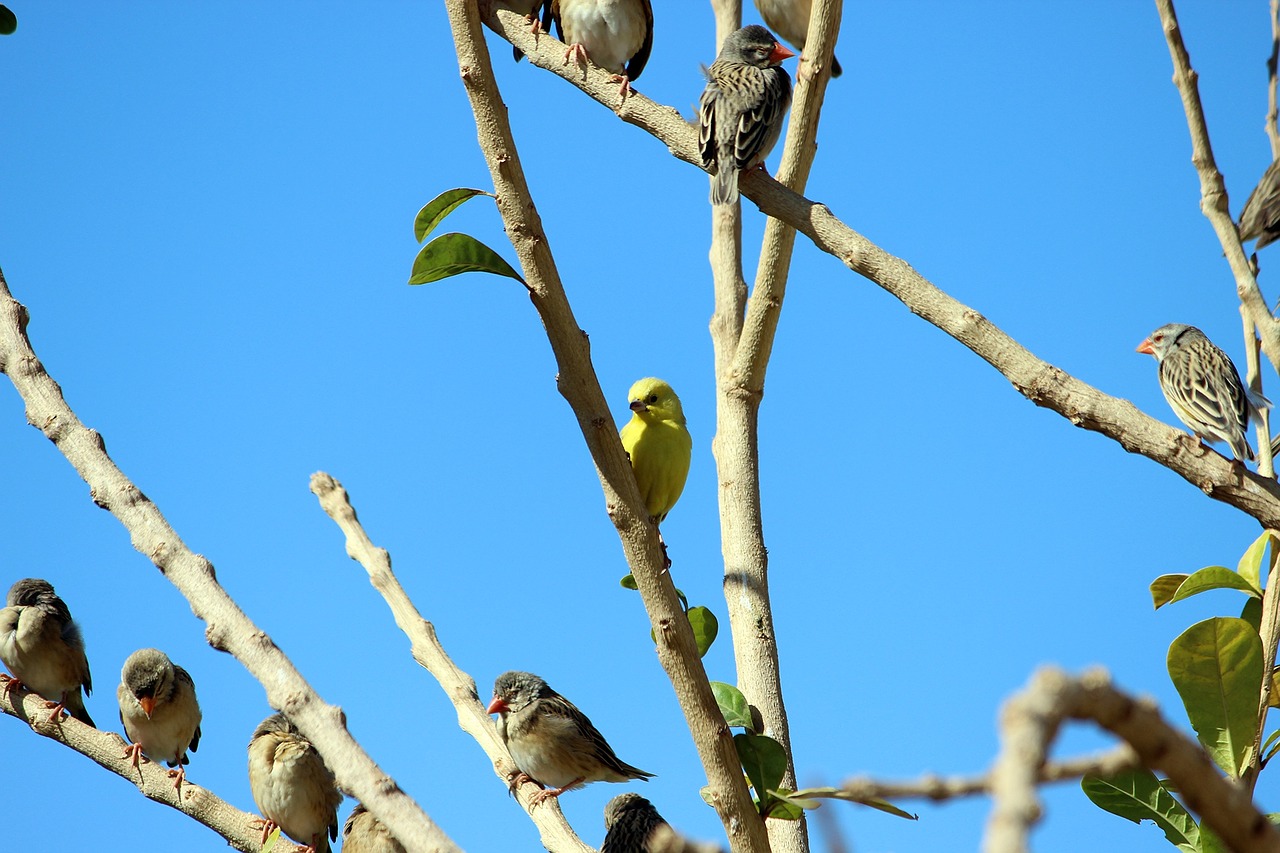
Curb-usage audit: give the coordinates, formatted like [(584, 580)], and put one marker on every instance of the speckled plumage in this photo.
[(1260, 218), (291, 784), (629, 822), (41, 646), (364, 833)]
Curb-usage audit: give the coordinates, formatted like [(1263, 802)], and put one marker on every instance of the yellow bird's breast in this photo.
[(660, 452)]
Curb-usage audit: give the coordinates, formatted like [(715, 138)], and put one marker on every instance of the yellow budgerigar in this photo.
[(659, 445)]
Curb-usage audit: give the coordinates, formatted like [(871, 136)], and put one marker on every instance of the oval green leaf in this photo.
[(1216, 666), (1164, 588), (810, 795), (1252, 613), (628, 582), (8, 21), (270, 843), (441, 206), (1214, 577), (705, 628), (1250, 565), (454, 254), (1137, 795), (732, 704), (765, 763)]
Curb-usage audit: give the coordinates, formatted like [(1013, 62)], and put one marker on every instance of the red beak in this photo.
[(148, 704), (779, 53), (497, 706), (1146, 347)]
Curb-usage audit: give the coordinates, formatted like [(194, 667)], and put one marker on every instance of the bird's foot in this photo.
[(134, 751), (553, 792), (624, 88), (57, 709), (11, 684), (178, 775), (268, 827), (578, 54), (518, 778), (535, 25)]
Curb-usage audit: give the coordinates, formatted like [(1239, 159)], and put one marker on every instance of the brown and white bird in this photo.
[(741, 111), (41, 646), (790, 20), (1260, 218), (1203, 387), (364, 833), (629, 822), (291, 784), (551, 741), (159, 710), (616, 34)]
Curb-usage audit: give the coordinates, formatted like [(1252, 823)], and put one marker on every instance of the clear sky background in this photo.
[(208, 210)]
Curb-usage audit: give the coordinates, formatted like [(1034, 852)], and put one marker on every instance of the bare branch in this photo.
[(229, 629), (555, 832), (1030, 722), (150, 778), (1272, 133), (728, 19)]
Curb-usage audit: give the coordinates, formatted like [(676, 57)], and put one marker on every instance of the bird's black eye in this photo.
[(653, 398)]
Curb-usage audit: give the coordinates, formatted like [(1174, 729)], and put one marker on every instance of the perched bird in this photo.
[(740, 113), (1203, 387), (790, 20), (364, 833), (616, 34), (552, 742), (291, 784), (629, 820), (1261, 215), (159, 710), (658, 443), (41, 645)]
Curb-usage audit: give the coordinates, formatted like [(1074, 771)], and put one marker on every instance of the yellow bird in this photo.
[(659, 445)]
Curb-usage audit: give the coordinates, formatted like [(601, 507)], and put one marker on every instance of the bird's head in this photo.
[(1165, 339), (653, 400), (754, 45), (514, 690), (149, 676)]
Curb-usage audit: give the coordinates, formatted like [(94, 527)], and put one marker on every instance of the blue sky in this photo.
[(208, 211)]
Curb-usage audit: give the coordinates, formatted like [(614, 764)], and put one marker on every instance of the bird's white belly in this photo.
[(612, 31)]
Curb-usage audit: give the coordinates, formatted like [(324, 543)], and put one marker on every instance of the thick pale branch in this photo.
[(229, 629), (728, 18), (577, 381), (150, 778), (1040, 382), (556, 834)]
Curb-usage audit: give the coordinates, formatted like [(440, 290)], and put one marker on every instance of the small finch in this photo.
[(41, 646), (364, 833), (616, 34), (1261, 215), (1203, 387), (629, 821), (159, 710), (741, 110), (790, 20), (291, 785), (552, 742)]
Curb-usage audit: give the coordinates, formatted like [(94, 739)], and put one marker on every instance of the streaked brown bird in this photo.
[(629, 822), (790, 20), (1260, 218), (291, 784), (551, 741), (364, 833), (742, 108), (159, 710), (1203, 387), (41, 646), (617, 35)]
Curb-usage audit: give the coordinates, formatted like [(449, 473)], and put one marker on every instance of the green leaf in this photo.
[(1164, 587), (733, 705), (1252, 612), (765, 763), (270, 843), (1273, 701), (1137, 795), (629, 582), (1210, 843), (1214, 577), (1216, 665), (705, 628), (8, 21), (807, 798), (780, 808), (441, 206), (1250, 565), (454, 254)]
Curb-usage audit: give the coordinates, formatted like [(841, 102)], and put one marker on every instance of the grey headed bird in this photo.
[(790, 20), (1260, 218), (291, 784), (364, 833), (742, 107), (617, 35), (159, 710), (1203, 387), (41, 646), (551, 741), (629, 822)]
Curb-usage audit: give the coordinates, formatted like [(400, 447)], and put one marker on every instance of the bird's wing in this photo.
[(636, 65)]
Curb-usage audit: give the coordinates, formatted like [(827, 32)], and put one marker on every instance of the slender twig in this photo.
[(107, 749), (1272, 133), (1030, 723), (1253, 376), (229, 629), (577, 381), (425, 646)]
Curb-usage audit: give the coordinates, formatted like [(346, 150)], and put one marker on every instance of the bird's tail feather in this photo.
[(724, 186)]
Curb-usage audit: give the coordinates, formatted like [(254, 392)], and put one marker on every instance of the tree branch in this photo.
[(554, 830), (677, 651), (229, 629), (107, 749), (1272, 133), (1039, 381)]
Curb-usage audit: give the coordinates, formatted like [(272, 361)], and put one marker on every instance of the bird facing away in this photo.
[(616, 34), (159, 710), (741, 110), (551, 741), (1203, 387), (364, 833), (41, 646), (629, 821), (291, 784), (790, 20), (1261, 215), (659, 445)]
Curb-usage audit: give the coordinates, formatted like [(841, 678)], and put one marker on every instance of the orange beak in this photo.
[(779, 53), (1146, 347), (148, 704), (497, 706)]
